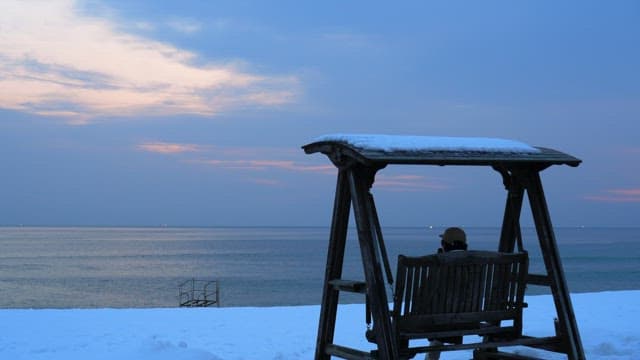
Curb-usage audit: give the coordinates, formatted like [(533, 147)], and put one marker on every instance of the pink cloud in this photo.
[(78, 67), (168, 148), (238, 158), (267, 182), (260, 165), (407, 183), (404, 182), (627, 192), (257, 151), (253, 159), (617, 196)]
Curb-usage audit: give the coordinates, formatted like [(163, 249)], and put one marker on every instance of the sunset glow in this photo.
[(168, 148), (89, 67)]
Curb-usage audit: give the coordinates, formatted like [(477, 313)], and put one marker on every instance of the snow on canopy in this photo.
[(411, 143)]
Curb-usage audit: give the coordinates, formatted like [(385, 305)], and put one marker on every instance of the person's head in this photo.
[(454, 238)]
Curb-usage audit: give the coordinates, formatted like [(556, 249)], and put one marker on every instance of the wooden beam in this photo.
[(513, 207), (553, 263), (360, 180), (349, 285), (540, 280), (380, 245), (335, 260), (348, 353), (525, 341)]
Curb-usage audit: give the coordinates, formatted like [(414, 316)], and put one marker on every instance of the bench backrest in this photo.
[(466, 290)]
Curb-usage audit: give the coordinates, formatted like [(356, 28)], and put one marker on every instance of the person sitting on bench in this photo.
[(453, 239)]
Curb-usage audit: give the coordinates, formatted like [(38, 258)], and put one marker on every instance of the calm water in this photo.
[(141, 267)]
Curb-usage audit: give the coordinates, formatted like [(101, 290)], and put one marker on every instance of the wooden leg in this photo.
[(335, 259), (359, 183), (511, 220), (551, 256)]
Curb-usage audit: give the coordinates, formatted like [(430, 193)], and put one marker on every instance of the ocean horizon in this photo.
[(141, 267)]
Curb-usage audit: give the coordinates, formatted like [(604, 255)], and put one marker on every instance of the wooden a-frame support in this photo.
[(352, 190)]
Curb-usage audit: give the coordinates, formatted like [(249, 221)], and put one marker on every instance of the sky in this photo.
[(192, 113)]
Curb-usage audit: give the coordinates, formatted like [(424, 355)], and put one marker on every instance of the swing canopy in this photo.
[(379, 150)]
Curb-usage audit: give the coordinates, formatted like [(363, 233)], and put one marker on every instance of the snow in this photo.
[(390, 143), (608, 323)]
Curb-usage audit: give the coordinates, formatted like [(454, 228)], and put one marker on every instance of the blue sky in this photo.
[(193, 112)]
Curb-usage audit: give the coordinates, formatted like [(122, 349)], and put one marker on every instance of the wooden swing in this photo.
[(451, 295), (444, 295)]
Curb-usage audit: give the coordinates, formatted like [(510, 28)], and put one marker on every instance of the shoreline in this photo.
[(261, 307)]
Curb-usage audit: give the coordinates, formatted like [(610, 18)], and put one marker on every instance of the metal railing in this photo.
[(199, 293)]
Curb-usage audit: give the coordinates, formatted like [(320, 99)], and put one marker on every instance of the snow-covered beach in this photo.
[(608, 323)]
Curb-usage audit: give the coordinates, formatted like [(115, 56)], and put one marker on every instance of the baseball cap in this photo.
[(454, 235)]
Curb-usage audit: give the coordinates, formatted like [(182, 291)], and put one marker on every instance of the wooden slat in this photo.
[(433, 320), (536, 279), (444, 284), (487, 287), (513, 282), (401, 278), (454, 294), (533, 342), (502, 285), (415, 288), (409, 289), (347, 353), (430, 290), (486, 330), (466, 291), (556, 346), (479, 288), (424, 291), (349, 285)]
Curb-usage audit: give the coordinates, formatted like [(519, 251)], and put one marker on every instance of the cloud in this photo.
[(626, 192), (266, 182), (617, 196), (407, 183), (261, 165), (168, 148), (185, 26), (265, 159), (257, 159), (79, 67), (144, 26)]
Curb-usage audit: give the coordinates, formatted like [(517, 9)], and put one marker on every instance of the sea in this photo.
[(131, 267)]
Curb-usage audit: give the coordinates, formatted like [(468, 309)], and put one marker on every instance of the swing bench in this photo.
[(451, 295)]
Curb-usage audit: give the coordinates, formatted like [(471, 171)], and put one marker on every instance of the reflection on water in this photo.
[(141, 267)]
